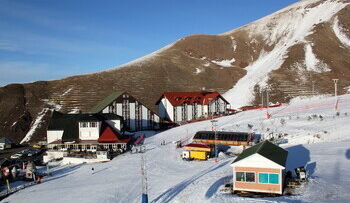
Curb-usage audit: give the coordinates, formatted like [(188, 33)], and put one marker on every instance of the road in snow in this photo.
[(322, 144)]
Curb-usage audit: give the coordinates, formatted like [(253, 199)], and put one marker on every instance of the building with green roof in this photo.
[(260, 168), (136, 115)]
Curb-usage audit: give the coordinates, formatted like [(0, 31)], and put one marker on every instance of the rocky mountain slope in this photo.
[(286, 52)]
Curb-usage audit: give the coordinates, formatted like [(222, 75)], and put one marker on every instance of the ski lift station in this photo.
[(223, 138)]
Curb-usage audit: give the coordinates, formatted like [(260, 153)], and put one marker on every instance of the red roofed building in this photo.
[(77, 134), (186, 106), (110, 135)]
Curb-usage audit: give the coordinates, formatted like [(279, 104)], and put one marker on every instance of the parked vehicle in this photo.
[(16, 156), (37, 146), (31, 152)]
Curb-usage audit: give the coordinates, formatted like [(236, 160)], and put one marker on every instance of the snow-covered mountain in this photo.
[(286, 52), (314, 135)]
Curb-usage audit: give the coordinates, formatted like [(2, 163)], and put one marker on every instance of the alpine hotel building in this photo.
[(186, 106)]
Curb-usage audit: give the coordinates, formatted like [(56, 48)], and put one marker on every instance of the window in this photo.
[(93, 124), (273, 178), (269, 178), (263, 178), (245, 177), (83, 124), (250, 177), (240, 176)]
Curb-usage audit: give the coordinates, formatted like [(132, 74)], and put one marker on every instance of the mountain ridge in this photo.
[(238, 63)]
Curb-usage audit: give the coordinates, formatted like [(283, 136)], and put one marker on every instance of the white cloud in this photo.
[(7, 46)]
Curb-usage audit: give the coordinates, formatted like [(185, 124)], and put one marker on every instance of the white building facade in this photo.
[(82, 132), (136, 115), (186, 106)]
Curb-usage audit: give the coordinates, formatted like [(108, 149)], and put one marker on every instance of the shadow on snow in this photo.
[(173, 191), (215, 186), (347, 154), (299, 156), (60, 173)]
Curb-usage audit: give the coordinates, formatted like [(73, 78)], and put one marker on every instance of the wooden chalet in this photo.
[(136, 115), (260, 168), (186, 106), (223, 138)]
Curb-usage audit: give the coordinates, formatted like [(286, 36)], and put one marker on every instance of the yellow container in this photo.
[(198, 155)]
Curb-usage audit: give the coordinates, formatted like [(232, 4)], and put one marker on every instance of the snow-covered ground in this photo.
[(312, 133)]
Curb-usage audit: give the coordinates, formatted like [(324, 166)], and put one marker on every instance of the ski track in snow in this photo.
[(284, 33), (323, 145)]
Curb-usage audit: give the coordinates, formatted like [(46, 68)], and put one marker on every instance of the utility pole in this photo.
[(335, 87), (262, 97), (48, 168), (144, 198), (336, 93), (214, 125)]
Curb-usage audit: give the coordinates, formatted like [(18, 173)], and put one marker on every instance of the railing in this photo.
[(6, 193)]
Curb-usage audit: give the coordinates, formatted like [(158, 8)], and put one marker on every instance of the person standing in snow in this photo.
[(92, 170)]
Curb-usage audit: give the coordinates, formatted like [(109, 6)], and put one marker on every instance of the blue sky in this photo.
[(52, 39)]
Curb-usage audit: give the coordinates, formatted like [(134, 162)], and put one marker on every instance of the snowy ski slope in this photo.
[(321, 144), (279, 29)]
